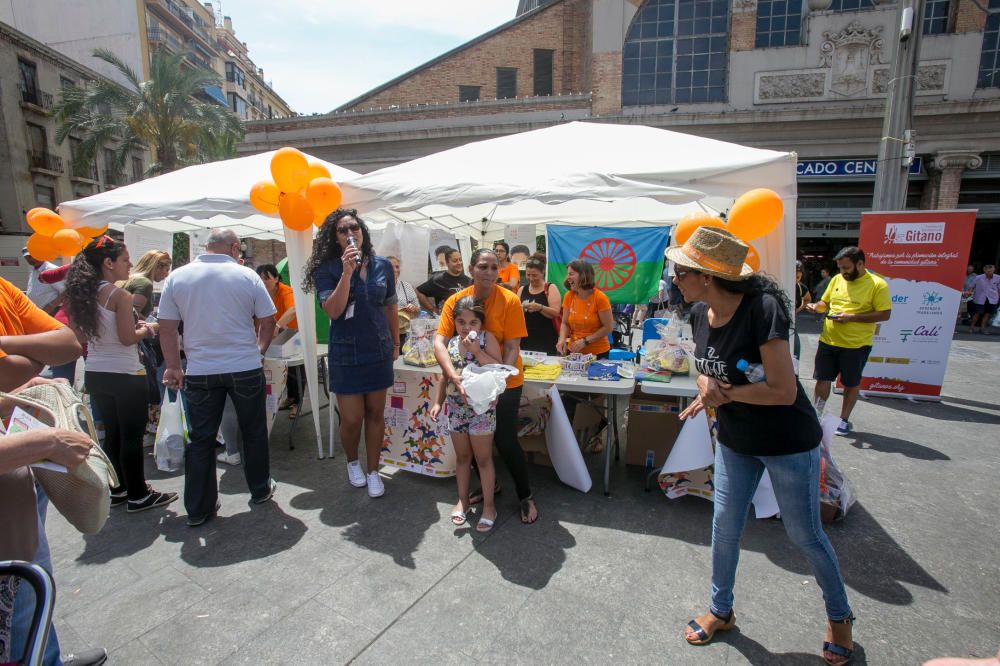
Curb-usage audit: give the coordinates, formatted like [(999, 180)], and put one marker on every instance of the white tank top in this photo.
[(108, 354)]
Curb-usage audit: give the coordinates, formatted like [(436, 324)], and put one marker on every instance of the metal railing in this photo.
[(85, 171), (158, 36), (42, 160), (35, 97)]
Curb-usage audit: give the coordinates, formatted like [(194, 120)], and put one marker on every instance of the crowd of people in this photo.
[(209, 343)]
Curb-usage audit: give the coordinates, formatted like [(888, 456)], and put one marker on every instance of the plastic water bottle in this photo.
[(753, 371)]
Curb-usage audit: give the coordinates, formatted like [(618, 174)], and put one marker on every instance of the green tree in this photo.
[(163, 113)]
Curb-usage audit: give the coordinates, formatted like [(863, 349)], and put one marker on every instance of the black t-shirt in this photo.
[(442, 285), (759, 430)]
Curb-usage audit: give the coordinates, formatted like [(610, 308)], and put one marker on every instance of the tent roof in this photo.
[(197, 197), (576, 173)]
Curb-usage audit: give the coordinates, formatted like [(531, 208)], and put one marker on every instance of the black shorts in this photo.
[(987, 308), (848, 363)]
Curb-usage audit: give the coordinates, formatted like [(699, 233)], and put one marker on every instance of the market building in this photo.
[(808, 76)]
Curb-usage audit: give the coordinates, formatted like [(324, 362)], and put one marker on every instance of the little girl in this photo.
[(471, 433)]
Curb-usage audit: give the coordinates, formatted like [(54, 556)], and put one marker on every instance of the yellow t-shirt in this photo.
[(869, 293)]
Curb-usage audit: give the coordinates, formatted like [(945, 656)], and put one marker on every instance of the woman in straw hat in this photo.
[(740, 322)]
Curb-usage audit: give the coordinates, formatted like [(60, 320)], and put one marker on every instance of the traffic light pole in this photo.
[(896, 146)]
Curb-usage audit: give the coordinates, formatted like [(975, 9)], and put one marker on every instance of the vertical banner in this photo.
[(439, 242), (141, 240), (627, 262), (521, 238), (922, 255)]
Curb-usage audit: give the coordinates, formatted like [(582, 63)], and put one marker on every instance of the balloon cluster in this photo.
[(755, 214), (302, 193), (52, 238)]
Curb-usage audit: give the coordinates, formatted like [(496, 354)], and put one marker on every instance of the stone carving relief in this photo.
[(773, 87), (849, 54), (931, 78), (744, 6)]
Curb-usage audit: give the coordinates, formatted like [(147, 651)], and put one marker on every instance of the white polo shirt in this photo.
[(217, 299), (38, 292)]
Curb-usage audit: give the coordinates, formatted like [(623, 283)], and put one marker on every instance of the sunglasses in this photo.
[(351, 228), (680, 275)]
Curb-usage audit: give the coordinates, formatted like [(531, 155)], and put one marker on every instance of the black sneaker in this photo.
[(194, 521), (91, 657), (118, 498), (272, 486), (151, 501)]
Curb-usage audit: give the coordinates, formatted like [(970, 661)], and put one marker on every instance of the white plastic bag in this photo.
[(484, 384), (171, 433)]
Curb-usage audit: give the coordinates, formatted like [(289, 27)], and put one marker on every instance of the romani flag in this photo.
[(627, 262)]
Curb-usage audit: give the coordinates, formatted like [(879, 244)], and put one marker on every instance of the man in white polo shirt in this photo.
[(218, 301)]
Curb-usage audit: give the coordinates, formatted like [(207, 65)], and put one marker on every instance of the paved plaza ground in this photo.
[(325, 576)]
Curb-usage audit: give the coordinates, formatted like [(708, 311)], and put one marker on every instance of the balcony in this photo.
[(180, 17), (162, 38), (46, 163), (84, 173), (198, 61), (35, 99)]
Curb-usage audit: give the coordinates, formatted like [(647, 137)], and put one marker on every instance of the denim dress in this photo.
[(360, 347)]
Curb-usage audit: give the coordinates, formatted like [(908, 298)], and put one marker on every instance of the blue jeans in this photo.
[(206, 401), (795, 478), (24, 600)]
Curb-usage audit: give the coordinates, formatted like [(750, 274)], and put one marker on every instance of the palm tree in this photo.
[(163, 113)]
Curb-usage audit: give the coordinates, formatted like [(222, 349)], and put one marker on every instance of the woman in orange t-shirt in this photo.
[(586, 313), (509, 275)]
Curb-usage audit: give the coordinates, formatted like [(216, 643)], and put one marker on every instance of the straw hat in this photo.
[(714, 252)]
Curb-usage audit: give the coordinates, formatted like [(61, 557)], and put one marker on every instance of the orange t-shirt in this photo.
[(19, 316), (284, 300), (507, 274), (584, 319), (504, 319)]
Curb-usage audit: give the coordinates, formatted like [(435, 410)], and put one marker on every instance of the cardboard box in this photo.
[(651, 430), (535, 450)]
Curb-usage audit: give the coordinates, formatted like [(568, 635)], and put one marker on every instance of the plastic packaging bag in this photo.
[(836, 490), (171, 434), (669, 353), (484, 384), (419, 348)]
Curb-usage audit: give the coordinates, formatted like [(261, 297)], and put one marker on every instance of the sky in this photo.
[(318, 54)]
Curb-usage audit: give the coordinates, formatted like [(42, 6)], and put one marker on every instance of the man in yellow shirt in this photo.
[(854, 301)]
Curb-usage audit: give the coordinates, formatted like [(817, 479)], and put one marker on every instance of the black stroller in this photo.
[(45, 597)]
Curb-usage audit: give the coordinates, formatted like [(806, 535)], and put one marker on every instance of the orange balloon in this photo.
[(687, 224), (67, 242), (753, 259), (324, 196), (44, 221), (264, 196), (317, 170), (755, 214), (295, 211), (42, 248), (91, 232), (290, 170)]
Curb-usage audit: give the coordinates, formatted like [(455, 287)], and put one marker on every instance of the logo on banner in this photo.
[(902, 233), (920, 333), (932, 298)]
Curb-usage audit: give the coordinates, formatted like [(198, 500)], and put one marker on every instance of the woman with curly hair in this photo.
[(358, 292), (115, 377)]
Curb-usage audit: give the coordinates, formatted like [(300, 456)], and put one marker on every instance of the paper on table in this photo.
[(693, 448)]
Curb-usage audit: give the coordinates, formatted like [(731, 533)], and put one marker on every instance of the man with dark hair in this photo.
[(441, 255), (433, 293), (824, 282), (854, 301), (519, 255), (985, 295)]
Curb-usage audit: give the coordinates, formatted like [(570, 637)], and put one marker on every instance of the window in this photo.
[(37, 140), (110, 169), (676, 52), (778, 23), (235, 75), (79, 171), (137, 170), (543, 72), (989, 59), (936, 14), (468, 93), (237, 105), (66, 82), (851, 5), (506, 82), (45, 196), (29, 81)]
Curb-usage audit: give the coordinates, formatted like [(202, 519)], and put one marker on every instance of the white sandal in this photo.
[(486, 524)]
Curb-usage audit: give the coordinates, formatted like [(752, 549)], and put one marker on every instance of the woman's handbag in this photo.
[(82, 495)]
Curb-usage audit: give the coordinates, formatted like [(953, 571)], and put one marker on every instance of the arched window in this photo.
[(676, 52)]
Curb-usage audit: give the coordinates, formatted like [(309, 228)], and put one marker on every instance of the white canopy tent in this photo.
[(590, 174), (207, 196)]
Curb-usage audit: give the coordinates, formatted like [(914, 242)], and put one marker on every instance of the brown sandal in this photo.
[(704, 637)]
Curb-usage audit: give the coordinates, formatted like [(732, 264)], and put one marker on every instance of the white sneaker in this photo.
[(355, 475), (375, 486), (229, 459)]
